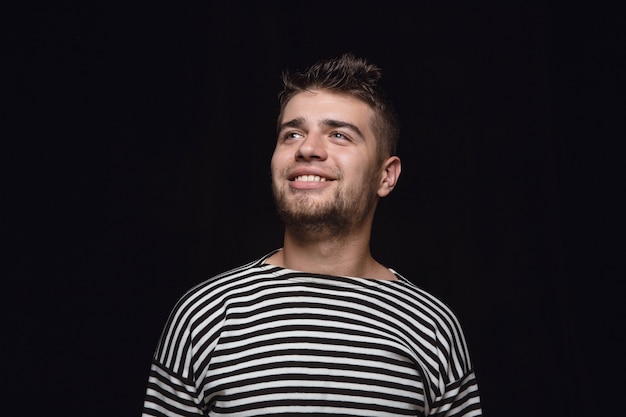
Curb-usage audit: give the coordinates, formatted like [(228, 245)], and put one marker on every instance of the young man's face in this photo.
[(324, 168)]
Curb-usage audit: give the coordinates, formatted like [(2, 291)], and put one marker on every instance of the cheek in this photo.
[(357, 166), (277, 165), (281, 159)]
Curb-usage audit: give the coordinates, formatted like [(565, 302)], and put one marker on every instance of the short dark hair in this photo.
[(348, 74)]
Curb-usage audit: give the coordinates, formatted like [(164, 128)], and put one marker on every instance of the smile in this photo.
[(309, 178)]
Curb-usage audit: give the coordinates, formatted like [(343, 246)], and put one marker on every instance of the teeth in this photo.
[(316, 178)]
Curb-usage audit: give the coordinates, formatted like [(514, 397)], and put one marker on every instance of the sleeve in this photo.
[(172, 388), (179, 367), (459, 399), (169, 394), (456, 392)]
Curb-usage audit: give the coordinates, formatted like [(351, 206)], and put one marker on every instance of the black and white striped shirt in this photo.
[(261, 340)]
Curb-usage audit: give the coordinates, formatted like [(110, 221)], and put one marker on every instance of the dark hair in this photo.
[(353, 76)]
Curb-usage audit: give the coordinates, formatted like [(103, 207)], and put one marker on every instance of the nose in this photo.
[(312, 148)]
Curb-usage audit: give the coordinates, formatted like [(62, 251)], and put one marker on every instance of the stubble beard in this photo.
[(332, 218)]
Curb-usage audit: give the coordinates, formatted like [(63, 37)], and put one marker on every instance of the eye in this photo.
[(292, 135), (339, 135)]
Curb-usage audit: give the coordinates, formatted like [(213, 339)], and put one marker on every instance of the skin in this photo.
[(328, 223)]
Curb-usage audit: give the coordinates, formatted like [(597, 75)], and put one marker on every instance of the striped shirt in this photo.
[(262, 340)]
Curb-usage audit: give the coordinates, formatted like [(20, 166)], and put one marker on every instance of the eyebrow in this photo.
[(298, 122)]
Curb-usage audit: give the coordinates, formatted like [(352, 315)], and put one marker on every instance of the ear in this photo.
[(390, 174)]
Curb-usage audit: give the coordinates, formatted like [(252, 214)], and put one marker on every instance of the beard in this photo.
[(337, 215)]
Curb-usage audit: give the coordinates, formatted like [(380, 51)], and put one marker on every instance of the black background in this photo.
[(137, 146)]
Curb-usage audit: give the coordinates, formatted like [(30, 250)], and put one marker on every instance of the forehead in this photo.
[(323, 104)]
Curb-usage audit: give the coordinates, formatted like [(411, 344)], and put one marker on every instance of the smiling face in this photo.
[(326, 176)]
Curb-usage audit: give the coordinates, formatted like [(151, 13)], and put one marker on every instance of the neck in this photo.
[(330, 255)]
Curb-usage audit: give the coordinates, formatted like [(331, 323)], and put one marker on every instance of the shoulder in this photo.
[(427, 302), (201, 310), (212, 292), (433, 311)]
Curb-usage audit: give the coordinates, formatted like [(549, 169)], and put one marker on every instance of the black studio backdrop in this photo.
[(138, 165)]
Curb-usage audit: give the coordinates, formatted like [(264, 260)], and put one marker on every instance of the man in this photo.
[(318, 327)]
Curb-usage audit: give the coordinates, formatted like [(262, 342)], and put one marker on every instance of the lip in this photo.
[(297, 172), (294, 183)]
